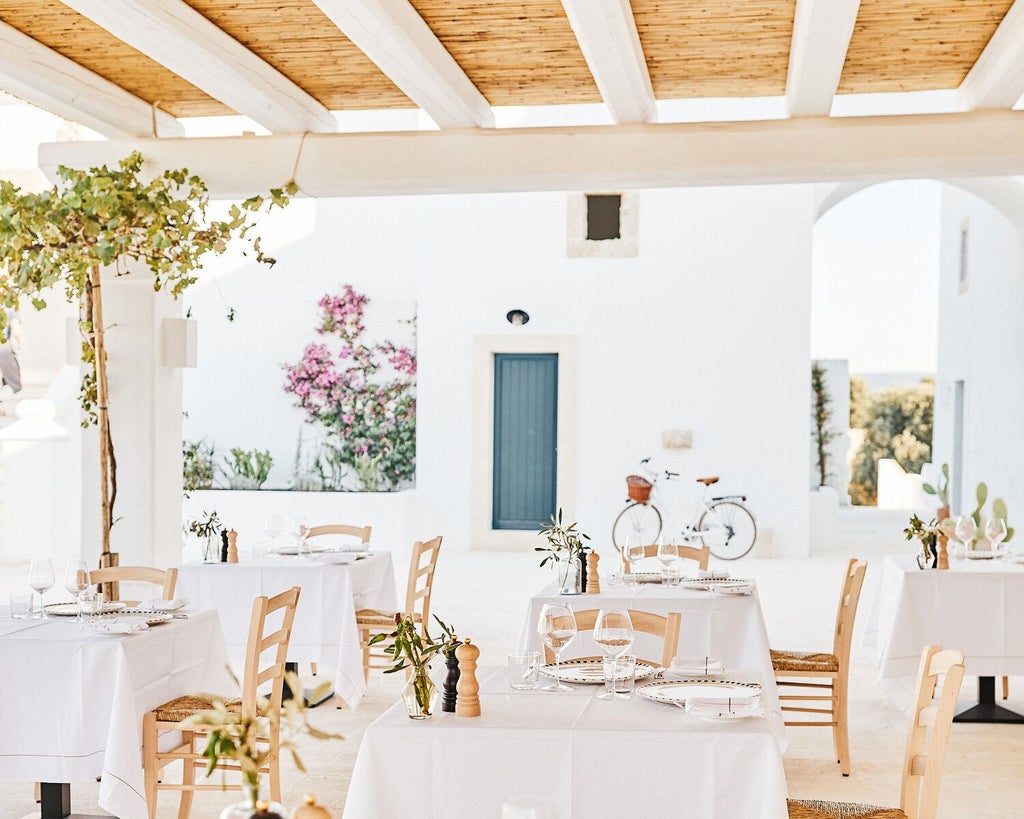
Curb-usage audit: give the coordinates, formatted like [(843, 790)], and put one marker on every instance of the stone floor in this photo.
[(483, 594)]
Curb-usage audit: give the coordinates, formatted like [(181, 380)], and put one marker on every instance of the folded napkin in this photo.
[(117, 625), (739, 589), (696, 665), (725, 706), (712, 574), (162, 605)]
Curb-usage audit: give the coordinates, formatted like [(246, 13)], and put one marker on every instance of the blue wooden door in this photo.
[(525, 439)]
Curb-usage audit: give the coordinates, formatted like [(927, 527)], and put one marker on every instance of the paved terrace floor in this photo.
[(484, 595)]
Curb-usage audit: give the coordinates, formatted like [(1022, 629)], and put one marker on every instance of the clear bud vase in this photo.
[(569, 577), (251, 806), (419, 695)]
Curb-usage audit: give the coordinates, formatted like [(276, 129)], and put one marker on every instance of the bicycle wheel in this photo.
[(640, 520), (728, 528)]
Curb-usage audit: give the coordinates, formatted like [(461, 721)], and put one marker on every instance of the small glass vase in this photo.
[(569, 577), (211, 549), (246, 809), (419, 695)]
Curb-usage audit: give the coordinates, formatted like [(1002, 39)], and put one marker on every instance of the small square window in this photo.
[(604, 216)]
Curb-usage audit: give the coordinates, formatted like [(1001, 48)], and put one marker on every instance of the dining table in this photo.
[(585, 756), (724, 627), (334, 586), (72, 700), (976, 606)]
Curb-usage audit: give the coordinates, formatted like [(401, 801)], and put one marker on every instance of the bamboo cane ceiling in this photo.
[(524, 52)]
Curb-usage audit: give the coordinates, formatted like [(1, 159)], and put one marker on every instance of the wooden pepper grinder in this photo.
[(232, 546), (310, 810), (468, 703), (593, 581)]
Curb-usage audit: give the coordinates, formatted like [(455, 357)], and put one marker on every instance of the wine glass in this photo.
[(40, 578), (633, 551), (668, 553), (299, 530), (76, 581), (613, 634), (557, 628), (995, 532), (273, 526), (966, 532)]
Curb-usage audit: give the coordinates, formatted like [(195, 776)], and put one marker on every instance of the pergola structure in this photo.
[(798, 85)]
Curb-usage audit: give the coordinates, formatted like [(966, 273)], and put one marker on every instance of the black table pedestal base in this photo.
[(54, 800), (986, 710), (307, 693)]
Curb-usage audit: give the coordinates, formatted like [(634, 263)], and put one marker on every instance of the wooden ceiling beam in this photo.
[(175, 35), (997, 78), (607, 36), (394, 36), (822, 30), (41, 76), (798, 150)]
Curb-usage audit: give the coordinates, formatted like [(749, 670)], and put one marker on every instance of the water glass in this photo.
[(259, 549), (90, 602), (21, 606), (522, 670), (619, 676), (670, 574)]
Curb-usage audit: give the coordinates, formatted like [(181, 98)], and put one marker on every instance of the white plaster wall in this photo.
[(706, 330), (981, 343)]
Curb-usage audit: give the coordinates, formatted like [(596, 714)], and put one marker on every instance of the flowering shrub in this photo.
[(364, 396)]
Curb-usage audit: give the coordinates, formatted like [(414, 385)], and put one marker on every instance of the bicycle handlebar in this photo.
[(671, 474)]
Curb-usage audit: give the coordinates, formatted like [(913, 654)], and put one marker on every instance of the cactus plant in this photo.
[(999, 512), (981, 495), (941, 488)]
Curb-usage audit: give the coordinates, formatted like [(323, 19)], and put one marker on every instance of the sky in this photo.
[(875, 279)]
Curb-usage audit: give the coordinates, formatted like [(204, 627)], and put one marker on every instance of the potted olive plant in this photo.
[(413, 652)]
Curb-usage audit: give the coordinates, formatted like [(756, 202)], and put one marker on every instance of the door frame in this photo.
[(482, 536)]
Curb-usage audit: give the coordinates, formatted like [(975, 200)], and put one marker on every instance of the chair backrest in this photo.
[(361, 532), (926, 749), (664, 628), (700, 554), (258, 670), (421, 578), (852, 583), (167, 579)]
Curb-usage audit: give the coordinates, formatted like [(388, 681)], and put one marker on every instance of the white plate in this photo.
[(118, 625), (985, 554), (71, 609), (589, 672), (677, 692), (144, 617)]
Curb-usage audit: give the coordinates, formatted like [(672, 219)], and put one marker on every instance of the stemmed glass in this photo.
[(668, 553), (40, 578), (613, 633), (995, 532), (76, 581), (633, 551), (966, 532), (557, 628), (299, 530), (273, 526)]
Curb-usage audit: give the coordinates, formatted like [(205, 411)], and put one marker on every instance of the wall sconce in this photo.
[(517, 318)]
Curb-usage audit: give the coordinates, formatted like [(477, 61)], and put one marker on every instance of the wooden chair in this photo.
[(113, 576), (925, 753), (700, 554), (417, 604), (794, 669), (665, 628), (361, 532), (167, 717)]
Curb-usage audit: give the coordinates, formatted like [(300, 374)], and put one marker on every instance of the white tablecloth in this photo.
[(72, 702), (594, 758), (325, 624), (977, 607), (723, 627)]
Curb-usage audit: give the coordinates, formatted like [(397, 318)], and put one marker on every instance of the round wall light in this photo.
[(517, 318)]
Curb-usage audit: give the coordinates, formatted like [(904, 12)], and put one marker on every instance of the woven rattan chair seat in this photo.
[(181, 708), (803, 661), (375, 617), (815, 809)]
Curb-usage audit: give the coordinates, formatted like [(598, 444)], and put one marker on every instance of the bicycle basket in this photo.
[(639, 488)]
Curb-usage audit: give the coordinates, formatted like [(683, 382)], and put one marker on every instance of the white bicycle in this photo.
[(722, 522)]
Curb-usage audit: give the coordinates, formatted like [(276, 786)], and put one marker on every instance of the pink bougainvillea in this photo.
[(364, 396)]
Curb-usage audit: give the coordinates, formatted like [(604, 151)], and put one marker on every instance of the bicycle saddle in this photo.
[(708, 481)]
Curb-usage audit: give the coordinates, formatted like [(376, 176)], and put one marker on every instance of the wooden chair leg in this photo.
[(312, 667), (149, 762), (1006, 688), (188, 777), (841, 729), (364, 637)]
